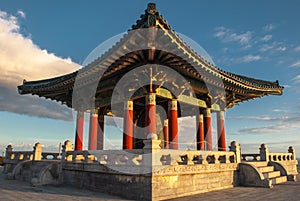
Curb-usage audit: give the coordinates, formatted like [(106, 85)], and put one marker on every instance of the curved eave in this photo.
[(46, 84), (238, 80), (59, 88)]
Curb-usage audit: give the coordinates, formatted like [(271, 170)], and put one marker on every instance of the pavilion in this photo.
[(151, 49)]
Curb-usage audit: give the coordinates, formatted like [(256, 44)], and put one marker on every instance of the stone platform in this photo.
[(18, 190)]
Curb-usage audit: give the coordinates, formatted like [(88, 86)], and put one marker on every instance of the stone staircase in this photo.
[(260, 173), (37, 172)]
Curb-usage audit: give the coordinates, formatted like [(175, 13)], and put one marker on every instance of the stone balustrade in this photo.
[(250, 157), (19, 155), (105, 157), (14, 158), (136, 157), (50, 156), (77, 156), (36, 154), (266, 155), (128, 157), (148, 155), (206, 157), (280, 157)]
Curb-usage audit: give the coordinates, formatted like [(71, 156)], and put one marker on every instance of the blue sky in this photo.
[(259, 39)]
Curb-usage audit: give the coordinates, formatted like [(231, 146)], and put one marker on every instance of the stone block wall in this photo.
[(137, 187), (163, 183), (179, 181)]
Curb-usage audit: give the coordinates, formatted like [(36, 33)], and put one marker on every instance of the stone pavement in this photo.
[(11, 190)]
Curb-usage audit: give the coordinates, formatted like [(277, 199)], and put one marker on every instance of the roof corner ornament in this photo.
[(151, 11), (152, 8)]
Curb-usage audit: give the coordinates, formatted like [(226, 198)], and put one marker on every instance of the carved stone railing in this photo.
[(280, 157), (37, 154), (50, 156), (136, 157), (250, 157), (128, 157), (150, 154), (105, 157), (14, 159), (265, 155), (78, 156), (205, 157), (19, 156), (28, 155)]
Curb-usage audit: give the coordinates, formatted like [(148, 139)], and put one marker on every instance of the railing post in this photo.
[(236, 148), (8, 157), (151, 144), (264, 152), (8, 151), (37, 152), (151, 156), (293, 152), (68, 146)]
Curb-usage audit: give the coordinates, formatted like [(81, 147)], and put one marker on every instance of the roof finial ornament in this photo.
[(152, 8)]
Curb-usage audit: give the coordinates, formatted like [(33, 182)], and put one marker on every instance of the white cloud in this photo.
[(287, 117), (296, 79), (269, 27), (272, 129), (21, 59), (261, 130), (227, 35), (286, 86), (258, 118), (281, 48), (266, 47), (250, 58), (22, 14), (297, 49), (274, 47), (295, 64), (280, 110), (266, 38)]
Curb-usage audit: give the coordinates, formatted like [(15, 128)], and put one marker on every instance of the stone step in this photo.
[(270, 175), (258, 163), (279, 180), (266, 169)]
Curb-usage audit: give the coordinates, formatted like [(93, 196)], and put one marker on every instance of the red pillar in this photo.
[(93, 130), (100, 137), (208, 129), (128, 126), (151, 113), (221, 131), (79, 131), (200, 132), (173, 124), (166, 134)]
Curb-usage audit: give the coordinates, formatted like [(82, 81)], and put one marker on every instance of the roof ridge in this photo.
[(149, 18)]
